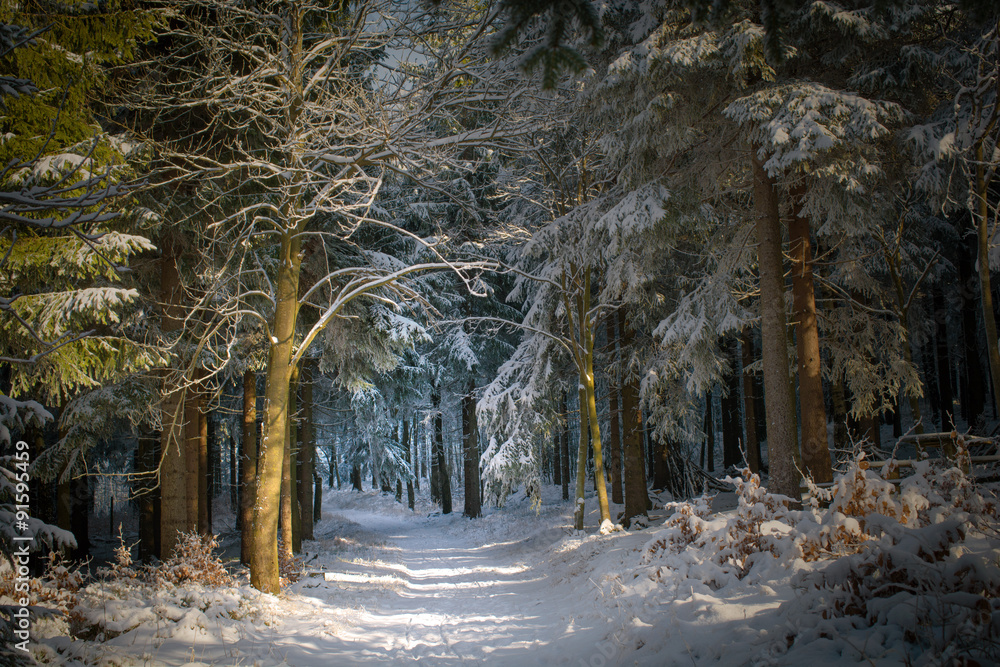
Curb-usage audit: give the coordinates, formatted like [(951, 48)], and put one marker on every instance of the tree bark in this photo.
[(194, 479), (841, 441), (815, 444), (973, 382), (581, 461), (751, 443), (264, 555), (205, 470), (732, 431), (709, 434), (410, 496), (779, 409), (248, 463), (173, 445), (438, 455), (981, 216), (147, 495), (634, 483), (470, 441), (947, 405), (614, 436), (307, 452), (564, 444), (290, 514)]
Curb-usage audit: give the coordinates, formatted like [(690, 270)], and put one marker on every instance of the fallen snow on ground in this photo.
[(917, 584)]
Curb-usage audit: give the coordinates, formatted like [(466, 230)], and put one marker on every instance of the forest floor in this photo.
[(518, 587)]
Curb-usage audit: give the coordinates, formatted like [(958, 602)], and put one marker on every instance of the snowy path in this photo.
[(444, 598)]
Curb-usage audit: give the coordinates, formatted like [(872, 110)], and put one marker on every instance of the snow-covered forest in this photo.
[(509, 332)]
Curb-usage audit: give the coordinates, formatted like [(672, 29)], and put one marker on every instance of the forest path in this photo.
[(391, 589)]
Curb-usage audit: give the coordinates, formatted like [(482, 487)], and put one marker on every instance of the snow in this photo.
[(385, 585)]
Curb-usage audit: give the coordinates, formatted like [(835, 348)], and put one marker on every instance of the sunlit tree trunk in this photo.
[(782, 441), (173, 444), (815, 445), (264, 555)]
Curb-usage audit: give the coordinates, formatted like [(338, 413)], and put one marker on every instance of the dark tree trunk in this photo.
[(410, 496), (418, 468), (556, 459), (973, 381), (438, 455), (564, 444), (636, 496), (356, 477), (307, 451), (749, 401), (470, 438), (234, 477), (248, 466), (211, 448), (709, 434), (930, 380), (732, 432), (614, 448), (947, 407), (195, 479), (838, 399), (317, 499), (147, 494)]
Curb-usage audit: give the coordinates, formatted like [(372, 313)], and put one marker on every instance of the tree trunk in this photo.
[(438, 455), (205, 469), (173, 445), (751, 443), (556, 459), (248, 464), (307, 452), (435, 479), (947, 406), (981, 216), (973, 382), (636, 496), (815, 444), (410, 496), (841, 441), (290, 514), (470, 441), (82, 503), (317, 507), (234, 480), (147, 495), (356, 477), (194, 479), (779, 408), (732, 432), (564, 444), (581, 461), (709, 434), (614, 436), (264, 555)]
